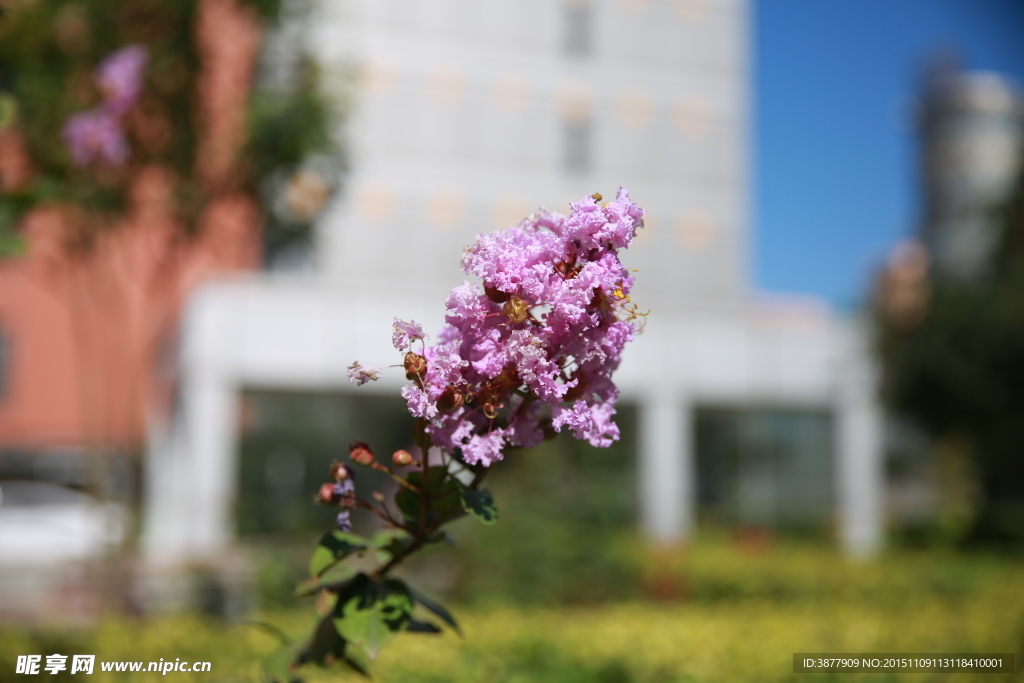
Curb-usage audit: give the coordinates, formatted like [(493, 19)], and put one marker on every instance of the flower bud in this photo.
[(402, 458), (360, 453), (326, 493), (339, 472), (415, 365), (450, 399)]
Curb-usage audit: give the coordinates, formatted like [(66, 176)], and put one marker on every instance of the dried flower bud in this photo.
[(402, 458), (495, 294), (450, 399), (361, 374), (516, 310), (507, 379), (360, 453), (597, 196), (415, 365)]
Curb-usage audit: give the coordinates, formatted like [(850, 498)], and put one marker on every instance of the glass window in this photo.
[(289, 441), (576, 28), (576, 142), (769, 467)]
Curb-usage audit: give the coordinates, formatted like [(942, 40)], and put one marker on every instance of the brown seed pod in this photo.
[(415, 365), (450, 399)]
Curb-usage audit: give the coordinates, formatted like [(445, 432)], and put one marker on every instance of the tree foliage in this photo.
[(954, 364), (48, 54)]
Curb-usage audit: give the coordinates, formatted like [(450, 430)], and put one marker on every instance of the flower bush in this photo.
[(528, 351)]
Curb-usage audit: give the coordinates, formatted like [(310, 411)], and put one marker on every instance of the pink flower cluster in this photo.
[(96, 134), (539, 343)]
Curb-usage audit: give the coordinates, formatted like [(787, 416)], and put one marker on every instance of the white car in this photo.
[(43, 524)]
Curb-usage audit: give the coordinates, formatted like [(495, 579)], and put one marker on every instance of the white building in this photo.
[(468, 114)]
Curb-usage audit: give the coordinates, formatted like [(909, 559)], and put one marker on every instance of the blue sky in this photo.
[(835, 180)]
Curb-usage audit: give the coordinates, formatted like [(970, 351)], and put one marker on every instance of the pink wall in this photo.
[(90, 331)]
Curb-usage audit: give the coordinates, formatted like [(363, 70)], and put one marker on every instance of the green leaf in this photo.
[(479, 503), (443, 493), (281, 664), (390, 542), (334, 546), (355, 662), (354, 587), (441, 537), (437, 609), (326, 644), (332, 579), (418, 626), (324, 647), (371, 615)]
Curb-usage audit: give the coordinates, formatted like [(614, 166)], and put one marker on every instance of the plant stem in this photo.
[(425, 490), (385, 515), (401, 482)]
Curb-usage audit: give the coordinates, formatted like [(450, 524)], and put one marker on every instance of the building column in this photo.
[(191, 474), (667, 468), (860, 448), (210, 409), (165, 522)]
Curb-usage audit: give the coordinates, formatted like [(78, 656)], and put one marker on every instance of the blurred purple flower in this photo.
[(119, 76), (344, 521), (95, 135)]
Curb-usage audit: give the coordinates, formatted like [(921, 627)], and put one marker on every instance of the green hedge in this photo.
[(739, 614)]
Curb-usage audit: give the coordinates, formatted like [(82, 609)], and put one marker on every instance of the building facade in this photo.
[(466, 116)]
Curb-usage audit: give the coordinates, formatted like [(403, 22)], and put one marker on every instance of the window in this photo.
[(576, 146), (767, 467), (576, 28)]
